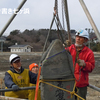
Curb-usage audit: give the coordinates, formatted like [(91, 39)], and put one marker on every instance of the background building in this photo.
[(20, 48)]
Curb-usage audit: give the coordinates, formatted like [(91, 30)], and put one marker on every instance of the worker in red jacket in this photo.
[(83, 61)]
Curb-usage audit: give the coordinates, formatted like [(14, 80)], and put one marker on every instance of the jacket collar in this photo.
[(74, 47), (13, 70)]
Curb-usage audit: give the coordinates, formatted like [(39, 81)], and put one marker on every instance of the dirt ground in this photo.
[(28, 58), (94, 79)]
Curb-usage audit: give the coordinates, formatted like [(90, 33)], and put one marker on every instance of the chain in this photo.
[(56, 7)]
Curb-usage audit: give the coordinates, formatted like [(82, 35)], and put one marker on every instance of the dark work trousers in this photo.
[(82, 92)]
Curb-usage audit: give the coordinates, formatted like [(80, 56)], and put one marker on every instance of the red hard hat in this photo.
[(33, 65)]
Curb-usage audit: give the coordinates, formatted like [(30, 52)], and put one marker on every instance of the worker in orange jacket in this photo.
[(34, 68)]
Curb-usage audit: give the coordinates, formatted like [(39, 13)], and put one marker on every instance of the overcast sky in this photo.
[(41, 13)]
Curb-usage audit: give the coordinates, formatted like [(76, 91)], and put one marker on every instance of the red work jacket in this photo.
[(82, 74)]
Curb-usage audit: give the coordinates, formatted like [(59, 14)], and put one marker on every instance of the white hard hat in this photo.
[(82, 33), (13, 58)]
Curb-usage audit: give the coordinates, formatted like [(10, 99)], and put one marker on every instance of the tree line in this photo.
[(37, 38), (34, 38)]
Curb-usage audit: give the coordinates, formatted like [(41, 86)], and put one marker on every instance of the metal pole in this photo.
[(21, 88), (90, 19), (94, 87), (12, 17), (67, 19)]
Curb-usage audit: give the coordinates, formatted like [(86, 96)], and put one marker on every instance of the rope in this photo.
[(56, 7), (48, 34), (72, 93), (54, 55), (37, 84), (55, 15), (63, 14), (67, 19)]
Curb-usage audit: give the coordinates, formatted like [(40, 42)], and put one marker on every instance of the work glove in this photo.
[(81, 63), (15, 87), (67, 43)]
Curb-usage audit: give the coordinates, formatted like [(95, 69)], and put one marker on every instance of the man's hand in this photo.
[(15, 87), (81, 63), (67, 43), (64, 45)]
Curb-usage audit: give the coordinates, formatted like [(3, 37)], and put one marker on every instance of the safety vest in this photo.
[(32, 93), (22, 80)]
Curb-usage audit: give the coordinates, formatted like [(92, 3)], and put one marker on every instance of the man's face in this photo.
[(79, 40), (35, 69), (17, 64)]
